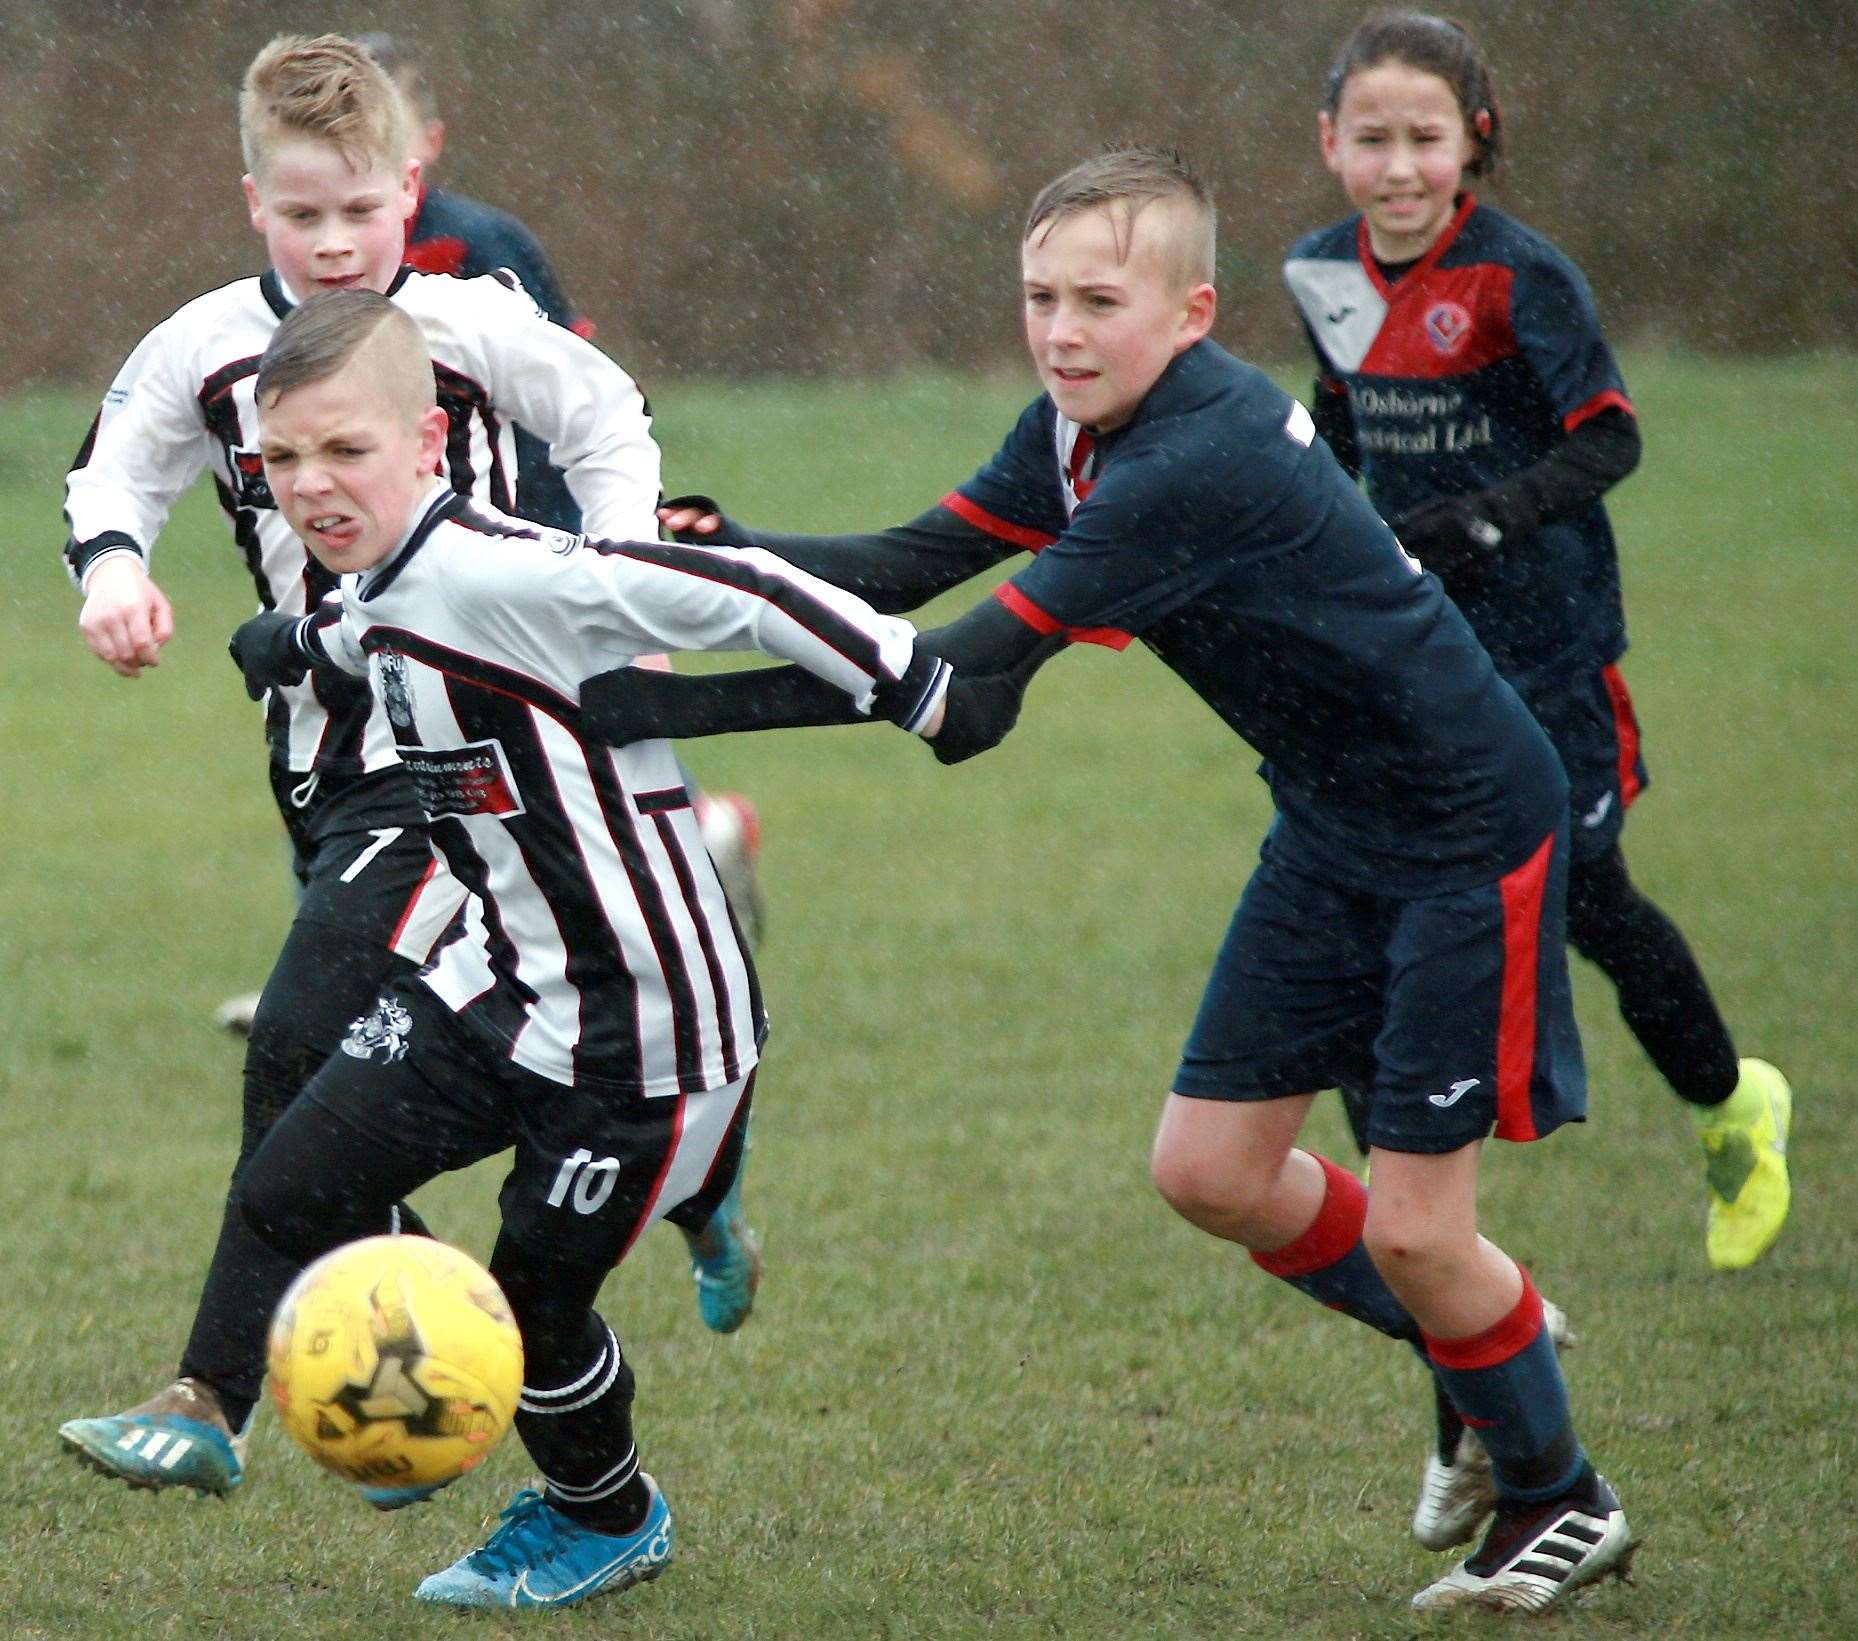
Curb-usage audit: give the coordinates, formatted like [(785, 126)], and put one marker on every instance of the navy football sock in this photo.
[(1328, 1262), (1506, 1382)]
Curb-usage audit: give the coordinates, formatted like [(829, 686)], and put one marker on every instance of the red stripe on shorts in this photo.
[(412, 905), (1522, 922), (1626, 729), (658, 1184)]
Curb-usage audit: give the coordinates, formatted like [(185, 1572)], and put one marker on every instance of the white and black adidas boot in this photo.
[(1537, 1554), (1458, 1493)]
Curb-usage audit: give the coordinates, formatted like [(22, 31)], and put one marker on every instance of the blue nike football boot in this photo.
[(540, 1558)]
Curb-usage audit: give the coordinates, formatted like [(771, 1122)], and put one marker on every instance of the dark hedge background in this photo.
[(811, 186)]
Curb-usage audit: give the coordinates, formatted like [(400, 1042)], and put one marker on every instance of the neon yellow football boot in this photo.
[(1745, 1163)]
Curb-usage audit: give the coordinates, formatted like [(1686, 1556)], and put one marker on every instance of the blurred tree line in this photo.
[(737, 186)]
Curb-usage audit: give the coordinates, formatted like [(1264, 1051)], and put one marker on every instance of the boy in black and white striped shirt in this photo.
[(599, 1011)]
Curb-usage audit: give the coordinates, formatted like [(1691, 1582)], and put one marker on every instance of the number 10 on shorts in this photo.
[(592, 1182)]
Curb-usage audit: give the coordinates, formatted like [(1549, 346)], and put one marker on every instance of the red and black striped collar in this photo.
[(277, 298)]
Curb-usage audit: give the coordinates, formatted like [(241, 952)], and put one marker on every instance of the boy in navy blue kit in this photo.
[(1463, 374), (1403, 929)]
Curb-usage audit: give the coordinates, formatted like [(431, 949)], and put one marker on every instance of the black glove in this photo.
[(977, 713), (727, 533), (1455, 537), (266, 650)]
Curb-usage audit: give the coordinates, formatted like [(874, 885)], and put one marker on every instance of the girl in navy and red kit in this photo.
[(1461, 372)]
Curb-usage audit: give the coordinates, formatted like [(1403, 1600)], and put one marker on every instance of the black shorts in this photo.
[(1596, 732), (1454, 1011), (360, 854), (592, 1171)]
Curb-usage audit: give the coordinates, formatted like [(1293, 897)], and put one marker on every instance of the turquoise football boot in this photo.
[(538, 1557), (725, 1259), (177, 1438)]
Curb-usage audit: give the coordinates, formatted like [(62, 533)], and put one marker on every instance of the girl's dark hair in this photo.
[(1434, 45)]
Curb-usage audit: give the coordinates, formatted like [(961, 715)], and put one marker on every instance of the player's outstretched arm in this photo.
[(631, 704), (892, 570), (126, 618), (993, 652), (636, 704)]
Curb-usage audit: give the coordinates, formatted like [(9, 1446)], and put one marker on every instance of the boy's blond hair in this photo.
[(319, 338), (326, 89), (1134, 178)]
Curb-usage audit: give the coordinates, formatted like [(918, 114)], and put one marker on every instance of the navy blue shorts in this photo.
[(1453, 1010), (1596, 732)]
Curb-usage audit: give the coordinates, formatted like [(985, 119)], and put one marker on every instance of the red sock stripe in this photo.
[(1626, 729), (1522, 922), (1335, 1229), (1497, 1343)]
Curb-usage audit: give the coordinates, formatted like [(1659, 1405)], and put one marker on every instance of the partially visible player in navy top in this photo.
[(1404, 927), (1462, 372), (451, 233)]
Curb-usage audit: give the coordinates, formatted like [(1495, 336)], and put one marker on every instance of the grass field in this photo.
[(993, 1387)]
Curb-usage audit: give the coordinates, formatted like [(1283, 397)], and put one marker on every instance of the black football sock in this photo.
[(1663, 997)]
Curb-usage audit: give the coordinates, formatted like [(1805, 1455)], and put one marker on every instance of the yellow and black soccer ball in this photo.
[(395, 1362)]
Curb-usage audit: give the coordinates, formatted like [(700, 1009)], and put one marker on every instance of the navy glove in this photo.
[(728, 532), (266, 651), (977, 713), (1455, 537)]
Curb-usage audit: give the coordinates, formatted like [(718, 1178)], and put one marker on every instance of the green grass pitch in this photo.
[(993, 1387)]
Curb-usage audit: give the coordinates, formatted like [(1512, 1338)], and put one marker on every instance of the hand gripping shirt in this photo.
[(1217, 528), (184, 401), (1468, 368), (597, 948)]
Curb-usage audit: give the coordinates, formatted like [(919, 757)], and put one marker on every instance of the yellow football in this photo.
[(395, 1362)]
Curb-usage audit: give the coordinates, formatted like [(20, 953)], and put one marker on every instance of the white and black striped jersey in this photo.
[(183, 401), (598, 950)]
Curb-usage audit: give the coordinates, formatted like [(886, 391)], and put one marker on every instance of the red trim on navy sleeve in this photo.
[(1330, 1235), (1026, 610), (1018, 534), (1612, 399), (1110, 638), (1625, 732), (1499, 1342), (1522, 892)]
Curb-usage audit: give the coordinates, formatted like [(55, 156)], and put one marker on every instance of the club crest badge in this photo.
[(383, 1033), (1447, 326), (396, 693)]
